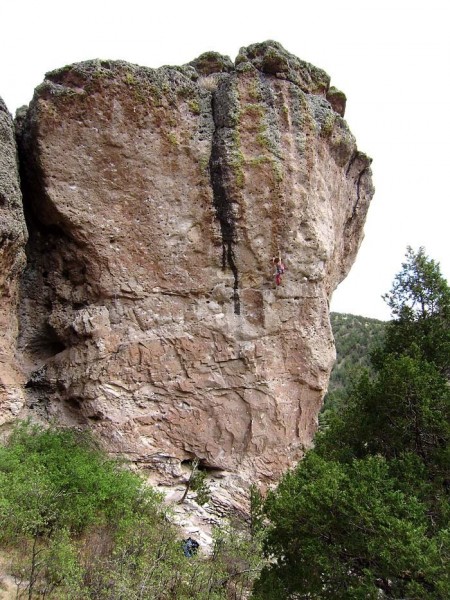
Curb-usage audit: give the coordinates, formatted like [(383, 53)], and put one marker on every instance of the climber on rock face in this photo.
[(279, 269)]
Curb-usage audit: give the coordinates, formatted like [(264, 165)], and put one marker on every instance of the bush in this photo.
[(78, 526), (55, 486)]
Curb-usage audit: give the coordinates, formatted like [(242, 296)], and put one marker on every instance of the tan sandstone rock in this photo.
[(12, 261), (157, 199)]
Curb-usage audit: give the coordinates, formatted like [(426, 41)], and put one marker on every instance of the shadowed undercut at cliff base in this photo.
[(156, 200)]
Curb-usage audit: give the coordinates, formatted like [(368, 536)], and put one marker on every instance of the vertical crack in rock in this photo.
[(13, 236), (351, 162), (221, 173)]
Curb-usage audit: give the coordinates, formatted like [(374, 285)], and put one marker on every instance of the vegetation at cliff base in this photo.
[(366, 513), (78, 526)]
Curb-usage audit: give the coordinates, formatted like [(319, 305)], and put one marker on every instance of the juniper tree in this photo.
[(365, 514)]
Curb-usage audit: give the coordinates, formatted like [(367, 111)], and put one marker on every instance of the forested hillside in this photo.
[(355, 337)]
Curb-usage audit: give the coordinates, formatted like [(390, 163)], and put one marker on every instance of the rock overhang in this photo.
[(156, 200)]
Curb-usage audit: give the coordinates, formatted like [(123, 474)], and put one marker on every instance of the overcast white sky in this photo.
[(390, 57)]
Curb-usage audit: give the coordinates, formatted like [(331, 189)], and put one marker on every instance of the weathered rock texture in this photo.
[(156, 200), (12, 261)]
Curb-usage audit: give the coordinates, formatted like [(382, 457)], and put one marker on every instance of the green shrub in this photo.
[(79, 526)]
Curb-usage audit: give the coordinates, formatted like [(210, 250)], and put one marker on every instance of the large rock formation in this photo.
[(156, 200), (12, 261)]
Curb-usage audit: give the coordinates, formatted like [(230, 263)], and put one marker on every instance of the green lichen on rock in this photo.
[(173, 139), (129, 79), (156, 86), (277, 169), (237, 160), (204, 162), (212, 62), (255, 161), (337, 99), (194, 106), (254, 110), (328, 125), (270, 57), (262, 138), (254, 90)]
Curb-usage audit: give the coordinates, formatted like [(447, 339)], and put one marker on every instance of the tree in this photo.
[(197, 482), (55, 486), (403, 405), (346, 531), (366, 513), (403, 408), (420, 303), (419, 291)]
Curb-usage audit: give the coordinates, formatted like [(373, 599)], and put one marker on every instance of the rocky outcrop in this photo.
[(156, 200), (12, 261)]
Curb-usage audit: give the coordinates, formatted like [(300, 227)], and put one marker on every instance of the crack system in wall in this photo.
[(221, 174)]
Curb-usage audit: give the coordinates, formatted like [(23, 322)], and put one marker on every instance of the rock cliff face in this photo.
[(156, 200), (12, 261)]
